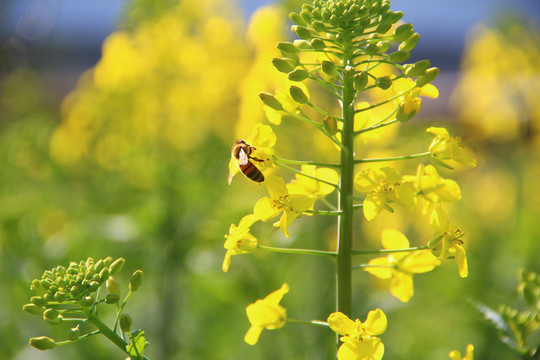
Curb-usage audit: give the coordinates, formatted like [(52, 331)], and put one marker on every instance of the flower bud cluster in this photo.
[(75, 284)]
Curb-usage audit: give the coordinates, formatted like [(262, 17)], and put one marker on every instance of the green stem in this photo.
[(385, 251), (363, 266), (301, 162), (118, 313), (308, 322), (105, 330), (297, 251), (324, 212), (345, 201), (395, 158)]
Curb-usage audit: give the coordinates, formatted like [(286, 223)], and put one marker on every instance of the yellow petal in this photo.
[(262, 136), (429, 91), (461, 260), (276, 296), (252, 335), (352, 349), (419, 262), (264, 209), (373, 205), (393, 239), (384, 272), (276, 187), (401, 286), (341, 324), (376, 322)]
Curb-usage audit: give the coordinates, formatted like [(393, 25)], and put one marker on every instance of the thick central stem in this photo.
[(345, 230)]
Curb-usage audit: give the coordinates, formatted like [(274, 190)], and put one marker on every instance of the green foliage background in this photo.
[(164, 205)]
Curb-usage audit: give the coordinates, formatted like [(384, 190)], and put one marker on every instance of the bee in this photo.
[(241, 152)]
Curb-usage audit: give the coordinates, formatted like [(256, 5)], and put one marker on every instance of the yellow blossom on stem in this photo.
[(411, 102), (446, 149), (266, 314), (456, 355), (400, 267), (239, 240), (447, 243), (432, 188), (281, 201), (309, 185), (359, 338), (383, 185), (262, 139)]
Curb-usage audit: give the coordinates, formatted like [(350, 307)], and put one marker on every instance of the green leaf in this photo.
[(137, 345)]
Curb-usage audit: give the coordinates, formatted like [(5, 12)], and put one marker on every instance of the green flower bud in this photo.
[(403, 32), (112, 286), (329, 68), (270, 101), (301, 31), (36, 284), (136, 279), (383, 82), (45, 284), (372, 49), (103, 275), (51, 314), (306, 15), (126, 323), (38, 301), (73, 333), (360, 81), (33, 309), (318, 26), (112, 298), (287, 47), (60, 296), (428, 77), (298, 94), (42, 343), (400, 116), (302, 44), (417, 69), (297, 19), (48, 296), (330, 124), (399, 56), (318, 44), (383, 27), (395, 17), (410, 43), (282, 65), (93, 286), (298, 75)]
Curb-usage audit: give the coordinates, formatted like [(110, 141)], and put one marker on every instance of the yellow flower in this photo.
[(262, 139), (308, 186), (432, 188), (400, 267), (410, 101), (239, 240), (383, 185), (359, 338), (447, 243), (456, 355), (445, 148), (266, 314), (280, 200)]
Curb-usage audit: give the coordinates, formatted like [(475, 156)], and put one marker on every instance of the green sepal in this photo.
[(360, 81), (282, 65), (399, 56), (428, 76), (417, 69), (302, 32), (329, 68), (318, 44), (33, 309), (298, 95), (42, 343), (410, 43), (401, 117), (126, 323), (270, 101), (403, 32), (287, 47), (112, 298), (297, 19), (383, 82), (330, 125), (298, 75), (137, 278), (318, 26)]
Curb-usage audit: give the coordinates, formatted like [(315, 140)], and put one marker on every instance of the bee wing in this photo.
[(243, 159)]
